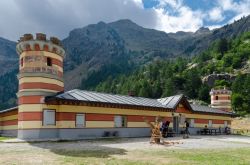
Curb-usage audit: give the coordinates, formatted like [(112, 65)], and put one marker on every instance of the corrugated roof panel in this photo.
[(92, 96), (79, 97), (172, 103), (200, 108), (67, 96)]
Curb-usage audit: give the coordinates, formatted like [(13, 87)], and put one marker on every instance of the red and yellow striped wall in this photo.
[(31, 116), (9, 120)]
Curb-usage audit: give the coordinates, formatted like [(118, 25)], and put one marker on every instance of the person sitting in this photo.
[(164, 128), (205, 130), (227, 130)]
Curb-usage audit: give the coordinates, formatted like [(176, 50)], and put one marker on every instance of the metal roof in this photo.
[(7, 110), (167, 102), (170, 102), (202, 108), (91, 96)]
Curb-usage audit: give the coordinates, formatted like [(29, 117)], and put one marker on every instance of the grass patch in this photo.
[(152, 157), (218, 156), (5, 138)]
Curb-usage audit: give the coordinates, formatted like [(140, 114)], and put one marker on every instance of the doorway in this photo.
[(176, 124)]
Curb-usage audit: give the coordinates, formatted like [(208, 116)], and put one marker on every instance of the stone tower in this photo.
[(40, 75), (221, 99)]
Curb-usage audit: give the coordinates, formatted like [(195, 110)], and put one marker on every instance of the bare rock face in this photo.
[(210, 79)]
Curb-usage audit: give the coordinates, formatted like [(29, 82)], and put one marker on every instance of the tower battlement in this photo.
[(40, 43)]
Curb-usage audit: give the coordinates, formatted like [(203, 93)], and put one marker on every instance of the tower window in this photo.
[(46, 47), (49, 61), (21, 62), (216, 98), (37, 47)]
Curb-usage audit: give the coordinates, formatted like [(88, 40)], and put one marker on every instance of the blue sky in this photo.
[(59, 17)]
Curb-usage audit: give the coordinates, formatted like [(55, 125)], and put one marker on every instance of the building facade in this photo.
[(46, 112)]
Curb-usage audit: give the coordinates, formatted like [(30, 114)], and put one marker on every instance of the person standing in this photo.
[(186, 129)]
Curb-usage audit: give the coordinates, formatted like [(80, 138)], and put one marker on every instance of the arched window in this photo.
[(37, 47), (49, 61), (216, 98), (27, 47), (46, 47)]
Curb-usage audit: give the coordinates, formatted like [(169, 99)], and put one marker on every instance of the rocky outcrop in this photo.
[(210, 79)]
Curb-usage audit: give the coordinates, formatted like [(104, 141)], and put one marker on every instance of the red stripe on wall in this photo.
[(68, 116), (202, 121), (137, 118), (182, 110), (30, 116), (218, 121), (99, 117), (30, 99), (39, 85), (8, 122), (57, 62)]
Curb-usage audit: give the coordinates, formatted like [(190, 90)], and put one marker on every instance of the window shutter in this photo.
[(80, 120), (49, 117), (118, 121)]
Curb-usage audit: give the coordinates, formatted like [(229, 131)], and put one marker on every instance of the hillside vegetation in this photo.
[(168, 77)]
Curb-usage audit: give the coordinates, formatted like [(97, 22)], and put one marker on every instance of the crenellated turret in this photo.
[(40, 68), (40, 75), (221, 99)]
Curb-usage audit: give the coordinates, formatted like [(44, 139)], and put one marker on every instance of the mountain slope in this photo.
[(166, 78), (102, 51), (8, 56)]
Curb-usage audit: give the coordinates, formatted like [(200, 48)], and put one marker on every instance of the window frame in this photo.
[(84, 120), (43, 118), (210, 125), (123, 119), (225, 123)]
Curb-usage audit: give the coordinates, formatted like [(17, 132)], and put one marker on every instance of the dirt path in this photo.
[(54, 152)]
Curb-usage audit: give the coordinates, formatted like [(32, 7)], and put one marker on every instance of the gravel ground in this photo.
[(194, 142)]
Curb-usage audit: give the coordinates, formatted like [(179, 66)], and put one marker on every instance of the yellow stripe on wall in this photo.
[(32, 124), (48, 54), (35, 107), (9, 127), (137, 124), (65, 124), (40, 80), (37, 89), (6, 118)]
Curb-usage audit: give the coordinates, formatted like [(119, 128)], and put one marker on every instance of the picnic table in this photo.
[(210, 131)]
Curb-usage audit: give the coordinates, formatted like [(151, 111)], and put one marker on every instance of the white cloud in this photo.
[(216, 14), (241, 8), (58, 17), (185, 19)]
